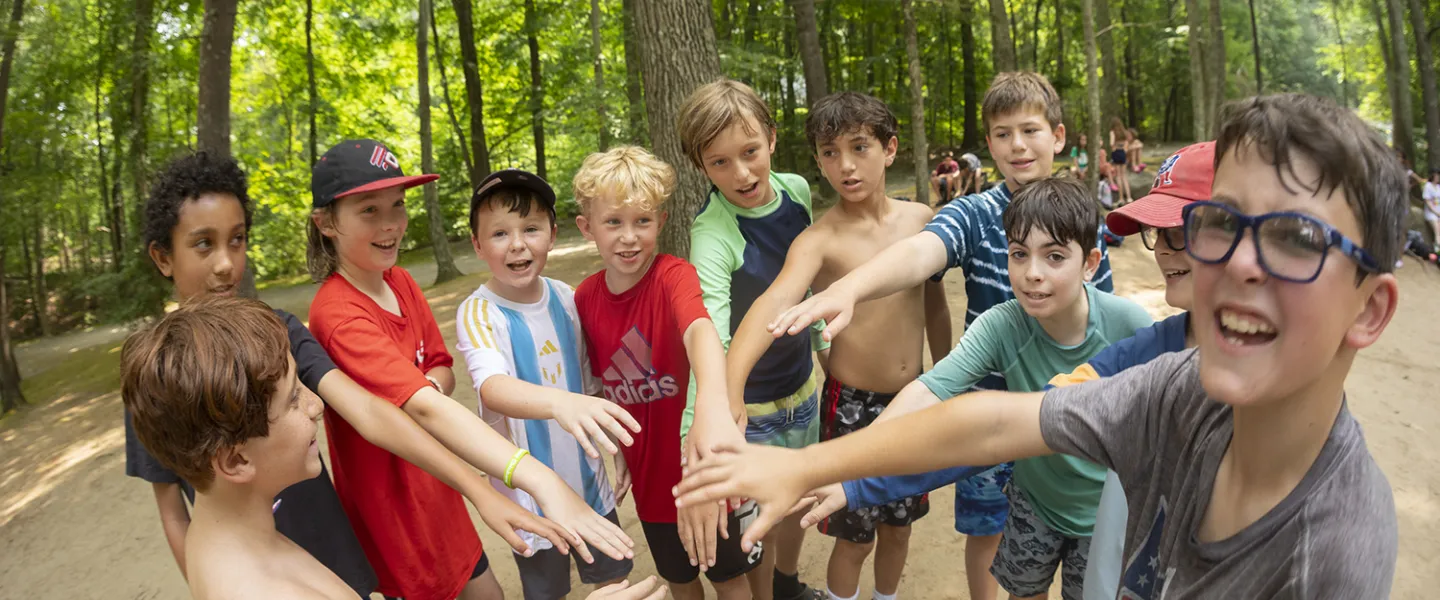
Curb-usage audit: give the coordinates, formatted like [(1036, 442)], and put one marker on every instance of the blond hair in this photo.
[(1020, 90), (712, 108), (626, 175)]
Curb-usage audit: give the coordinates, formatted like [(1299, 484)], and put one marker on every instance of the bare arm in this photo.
[(903, 265), (699, 525), (174, 519), (445, 376), (751, 340), (937, 321), (585, 417), (984, 428)]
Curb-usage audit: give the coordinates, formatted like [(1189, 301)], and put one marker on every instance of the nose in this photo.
[(517, 243), (1244, 264), (224, 264), (741, 170), (313, 405), (1032, 270)]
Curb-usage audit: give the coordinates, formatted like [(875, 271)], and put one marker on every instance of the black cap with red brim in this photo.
[(355, 167)]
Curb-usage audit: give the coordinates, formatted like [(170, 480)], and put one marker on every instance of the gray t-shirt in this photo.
[(1334, 536)]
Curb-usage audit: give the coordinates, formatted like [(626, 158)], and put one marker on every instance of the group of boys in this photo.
[(1238, 465)]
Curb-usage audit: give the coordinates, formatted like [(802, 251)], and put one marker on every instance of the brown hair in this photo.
[(1021, 90), (1348, 155), (201, 379), (844, 112), (712, 108), (628, 174), (513, 199), (321, 257), (1060, 207)]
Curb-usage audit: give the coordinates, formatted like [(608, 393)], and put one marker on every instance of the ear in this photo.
[(1092, 263), (772, 141), (324, 221), (664, 216), (232, 465), (1060, 138), (583, 224), (161, 258), (554, 234), (475, 244), (891, 146), (1382, 296)]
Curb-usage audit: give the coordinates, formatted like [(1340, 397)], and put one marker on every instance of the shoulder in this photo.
[(1123, 312), (1351, 535), (290, 320), (587, 286), (795, 185)]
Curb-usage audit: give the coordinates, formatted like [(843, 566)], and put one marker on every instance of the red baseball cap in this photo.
[(1185, 177)]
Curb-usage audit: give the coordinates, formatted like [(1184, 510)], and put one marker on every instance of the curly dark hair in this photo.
[(187, 178), (843, 112)]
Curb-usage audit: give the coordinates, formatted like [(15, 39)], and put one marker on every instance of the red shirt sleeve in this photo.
[(370, 357), (682, 286)]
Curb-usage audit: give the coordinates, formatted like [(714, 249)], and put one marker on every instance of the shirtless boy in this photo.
[(854, 140)]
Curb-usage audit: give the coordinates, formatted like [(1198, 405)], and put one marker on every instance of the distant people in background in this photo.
[(1133, 152), (1107, 186), (1119, 140), (942, 179), (1430, 193), (1080, 157), (972, 176)]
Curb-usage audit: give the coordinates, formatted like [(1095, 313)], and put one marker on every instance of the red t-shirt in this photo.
[(415, 529), (637, 348)]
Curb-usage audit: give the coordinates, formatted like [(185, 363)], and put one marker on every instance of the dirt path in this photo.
[(73, 526)]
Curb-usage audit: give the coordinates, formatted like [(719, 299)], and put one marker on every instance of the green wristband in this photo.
[(510, 468)]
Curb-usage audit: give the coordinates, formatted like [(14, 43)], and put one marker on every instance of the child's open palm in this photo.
[(768, 475), (586, 527)]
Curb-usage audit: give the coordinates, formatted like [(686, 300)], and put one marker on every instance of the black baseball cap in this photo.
[(509, 178), (355, 167)]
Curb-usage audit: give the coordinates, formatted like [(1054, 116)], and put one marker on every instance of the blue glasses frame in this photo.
[(1333, 239)]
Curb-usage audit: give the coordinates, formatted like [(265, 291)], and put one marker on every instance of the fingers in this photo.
[(608, 538), (583, 438), (687, 539), (513, 538), (769, 516), (801, 504), (820, 511), (626, 419), (705, 485), (708, 543), (549, 530), (834, 326), (598, 433), (579, 545), (721, 524)]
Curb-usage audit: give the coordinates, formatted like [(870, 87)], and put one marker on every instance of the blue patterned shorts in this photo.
[(980, 503)]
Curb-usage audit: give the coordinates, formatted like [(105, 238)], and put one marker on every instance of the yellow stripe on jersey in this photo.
[(488, 331), (469, 310), (1080, 375)]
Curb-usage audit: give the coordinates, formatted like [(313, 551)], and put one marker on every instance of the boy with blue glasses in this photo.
[(1246, 475)]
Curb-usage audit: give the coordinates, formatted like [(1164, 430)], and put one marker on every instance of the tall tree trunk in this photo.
[(787, 103), (634, 92), (445, 269), (1344, 56), (312, 105), (816, 86), (212, 131), (1062, 78), (1425, 61), (1255, 50), (595, 48), (40, 295), (1035, 37), (10, 395), (1110, 80), (1092, 90), (7, 63), (679, 54), (947, 71), (1218, 75), (1199, 97), (107, 199), (450, 105), (1001, 46), (1377, 10), (474, 90), (752, 14), (1400, 61), (970, 136), (917, 105), (1134, 113), (537, 87), (140, 115)]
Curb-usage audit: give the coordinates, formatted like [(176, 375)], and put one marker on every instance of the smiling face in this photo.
[(738, 163), (1175, 266), (625, 234), (1024, 146), (854, 163), (1263, 339), (514, 247), (1048, 277), (289, 453), (207, 247), (367, 229)]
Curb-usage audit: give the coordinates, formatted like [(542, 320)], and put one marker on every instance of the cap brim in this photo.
[(405, 182), (1155, 210)]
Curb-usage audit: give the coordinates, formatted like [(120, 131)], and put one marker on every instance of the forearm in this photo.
[(469, 438), (914, 397), (876, 491), (519, 399), (387, 426), (751, 339), (937, 321), (903, 265), (174, 520), (983, 428), (445, 376), (707, 361)]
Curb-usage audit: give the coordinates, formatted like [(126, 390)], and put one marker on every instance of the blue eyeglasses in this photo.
[(1290, 246)]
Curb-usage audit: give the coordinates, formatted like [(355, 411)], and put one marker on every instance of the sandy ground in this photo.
[(73, 526)]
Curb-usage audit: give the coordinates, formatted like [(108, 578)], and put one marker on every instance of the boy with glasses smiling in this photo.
[(1247, 475)]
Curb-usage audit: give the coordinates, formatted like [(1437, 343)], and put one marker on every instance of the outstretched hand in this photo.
[(587, 418), (827, 499), (648, 589), (835, 307), (507, 519), (586, 527), (771, 476)]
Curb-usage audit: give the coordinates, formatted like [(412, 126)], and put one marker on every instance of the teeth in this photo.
[(1240, 324)]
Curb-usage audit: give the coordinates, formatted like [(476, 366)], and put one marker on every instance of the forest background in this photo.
[(96, 94)]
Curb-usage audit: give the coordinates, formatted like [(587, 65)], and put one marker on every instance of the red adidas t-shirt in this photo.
[(415, 529), (636, 343)]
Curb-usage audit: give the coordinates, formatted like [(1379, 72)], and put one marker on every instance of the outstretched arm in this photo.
[(903, 265), (585, 417), (984, 428), (937, 321)]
